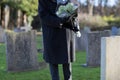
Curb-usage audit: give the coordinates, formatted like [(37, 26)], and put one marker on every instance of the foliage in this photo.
[(91, 21), (112, 21), (109, 18), (9, 3), (27, 6)]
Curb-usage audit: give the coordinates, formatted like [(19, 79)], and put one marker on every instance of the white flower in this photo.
[(66, 10)]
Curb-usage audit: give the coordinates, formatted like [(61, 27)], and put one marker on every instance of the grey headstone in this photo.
[(18, 30), (118, 32), (2, 33), (87, 29), (114, 31), (81, 41), (94, 47), (110, 58), (21, 51), (26, 28)]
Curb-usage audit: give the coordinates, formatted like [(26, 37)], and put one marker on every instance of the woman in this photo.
[(58, 39)]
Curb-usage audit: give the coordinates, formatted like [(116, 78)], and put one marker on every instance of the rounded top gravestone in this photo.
[(114, 31)]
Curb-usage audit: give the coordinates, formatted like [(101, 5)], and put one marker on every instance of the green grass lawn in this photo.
[(79, 72)]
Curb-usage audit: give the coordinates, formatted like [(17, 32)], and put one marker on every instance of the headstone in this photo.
[(2, 35), (81, 41), (21, 51), (80, 44), (26, 28), (18, 30), (94, 47), (118, 32), (110, 58), (114, 31)]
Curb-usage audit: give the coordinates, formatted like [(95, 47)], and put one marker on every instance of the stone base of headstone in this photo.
[(21, 51), (42, 65), (93, 51), (40, 50), (110, 58), (84, 65)]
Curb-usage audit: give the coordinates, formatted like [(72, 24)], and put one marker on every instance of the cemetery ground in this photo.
[(78, 72)]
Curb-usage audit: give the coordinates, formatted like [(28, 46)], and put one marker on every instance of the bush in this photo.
[(112, 21), (91, 21)]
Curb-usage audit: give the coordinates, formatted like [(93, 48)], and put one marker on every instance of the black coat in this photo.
[(58, 43)]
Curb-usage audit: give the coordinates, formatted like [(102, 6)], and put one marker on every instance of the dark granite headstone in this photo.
[(94, 47), (21, 51)]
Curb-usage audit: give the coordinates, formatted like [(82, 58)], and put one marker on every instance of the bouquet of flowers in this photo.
[(70, 10)]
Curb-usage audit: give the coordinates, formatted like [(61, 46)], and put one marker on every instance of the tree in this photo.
[(118, 3), (90, 4), (27, 7)]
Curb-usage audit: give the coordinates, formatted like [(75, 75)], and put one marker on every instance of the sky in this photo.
[(110, 2)]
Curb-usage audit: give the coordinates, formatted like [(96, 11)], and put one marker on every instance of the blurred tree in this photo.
[(117, 6), (27, 7), (0, 10), (118, 3), (90, 4)]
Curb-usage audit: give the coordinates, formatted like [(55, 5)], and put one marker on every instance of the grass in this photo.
[(79, 72)]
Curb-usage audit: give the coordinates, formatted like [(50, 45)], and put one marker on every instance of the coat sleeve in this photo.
[(49, 19)]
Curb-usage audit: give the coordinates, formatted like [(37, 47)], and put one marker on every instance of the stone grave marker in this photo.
[(18, 30), (81, 41), (93, 51), (114, 31), (21, 51), (110, 58), (2, 33), (26, 28), (118, 32)]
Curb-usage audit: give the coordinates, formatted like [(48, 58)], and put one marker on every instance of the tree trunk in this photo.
[(0, 15), (90, 6), (100, 7), (7, 16), (25, 23), (19, 18)]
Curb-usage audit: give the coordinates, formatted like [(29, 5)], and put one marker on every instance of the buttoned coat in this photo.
[(59, 45)]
